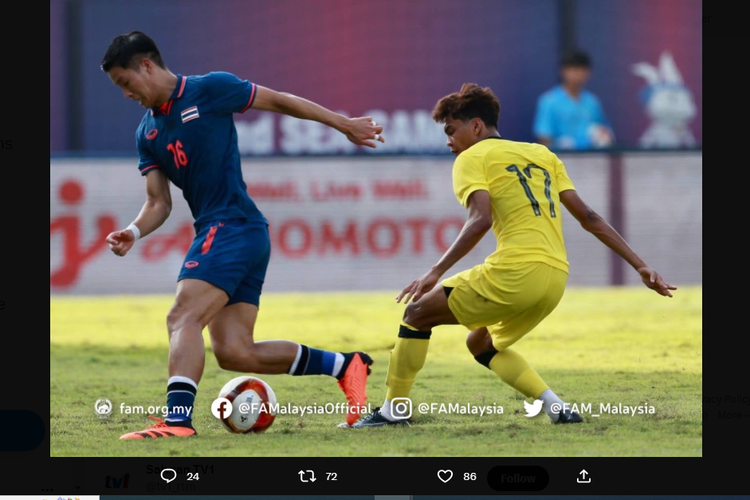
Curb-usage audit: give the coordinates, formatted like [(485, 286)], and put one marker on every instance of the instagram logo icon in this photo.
[(401, 408)]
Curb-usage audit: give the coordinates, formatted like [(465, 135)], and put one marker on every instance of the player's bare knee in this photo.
[(224, 359), (230, 363), (414, 317), (228, 358), (251, 359), (474, 346), (238, 358), (480, 346), (479, 341)]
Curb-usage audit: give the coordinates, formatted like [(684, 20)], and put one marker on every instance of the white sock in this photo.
[(296, 360), (178, 378), (385, 410), (548, 398), (337, 364)]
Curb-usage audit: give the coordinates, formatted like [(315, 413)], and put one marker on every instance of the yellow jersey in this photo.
[(524, 181)]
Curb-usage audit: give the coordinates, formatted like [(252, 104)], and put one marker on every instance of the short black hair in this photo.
[(472, 101), (576, 58), (128, 50)]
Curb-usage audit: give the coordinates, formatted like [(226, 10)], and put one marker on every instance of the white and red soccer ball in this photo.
[(253, 405)]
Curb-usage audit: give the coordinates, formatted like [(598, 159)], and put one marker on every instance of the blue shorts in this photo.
[(232, 255)]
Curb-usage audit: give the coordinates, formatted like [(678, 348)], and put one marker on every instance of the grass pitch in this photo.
[(625, 345)]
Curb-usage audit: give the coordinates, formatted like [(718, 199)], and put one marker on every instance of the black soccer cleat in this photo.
[(569, 417), (375, 419)]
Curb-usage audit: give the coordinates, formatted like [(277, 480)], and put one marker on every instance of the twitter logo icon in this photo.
[(533, 409)]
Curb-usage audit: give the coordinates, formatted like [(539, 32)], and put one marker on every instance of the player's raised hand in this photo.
[(120, 242), (364, 132), (417, 288), (655, 282)]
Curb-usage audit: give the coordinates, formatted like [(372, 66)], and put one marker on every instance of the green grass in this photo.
[(624, 345)]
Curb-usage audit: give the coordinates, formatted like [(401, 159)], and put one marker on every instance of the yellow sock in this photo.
[(516, 372), (407, 358)]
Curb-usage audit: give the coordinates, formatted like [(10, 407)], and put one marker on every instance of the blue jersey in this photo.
[(193, 140), (568, 121)]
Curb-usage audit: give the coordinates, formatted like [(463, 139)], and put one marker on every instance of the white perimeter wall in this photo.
[(361, 223)]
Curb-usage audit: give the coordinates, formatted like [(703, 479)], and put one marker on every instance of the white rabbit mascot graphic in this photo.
[(669, 104)]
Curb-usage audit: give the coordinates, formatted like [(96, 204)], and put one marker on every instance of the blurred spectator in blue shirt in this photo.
[(568, 116)]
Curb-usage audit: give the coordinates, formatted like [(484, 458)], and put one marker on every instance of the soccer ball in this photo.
[(253, 405)]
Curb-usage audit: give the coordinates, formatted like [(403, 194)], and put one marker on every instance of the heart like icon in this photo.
[(445, 475)]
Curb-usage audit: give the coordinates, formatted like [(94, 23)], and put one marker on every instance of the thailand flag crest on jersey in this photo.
[(190, 114)]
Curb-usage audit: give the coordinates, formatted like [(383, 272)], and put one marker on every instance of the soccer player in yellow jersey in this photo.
[(518, 190)]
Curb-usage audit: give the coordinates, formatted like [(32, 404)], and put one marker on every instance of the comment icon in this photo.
[(168, 475)]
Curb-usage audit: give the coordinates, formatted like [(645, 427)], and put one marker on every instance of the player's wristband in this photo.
[(135, 230)]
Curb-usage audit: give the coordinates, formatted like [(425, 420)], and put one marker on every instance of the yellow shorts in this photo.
[(509, 300)]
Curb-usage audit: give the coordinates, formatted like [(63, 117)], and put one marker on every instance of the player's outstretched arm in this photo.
[(153, 214), (361, 131), (478, 222), (596, 225)]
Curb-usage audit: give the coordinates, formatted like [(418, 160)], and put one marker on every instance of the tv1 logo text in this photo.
[(117, 482)]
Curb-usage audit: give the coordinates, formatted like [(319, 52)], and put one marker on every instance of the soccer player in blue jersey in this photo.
[(188, 137), (568, 116)]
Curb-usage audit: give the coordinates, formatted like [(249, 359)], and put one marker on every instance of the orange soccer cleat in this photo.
[(354, 385), (160, 429)]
